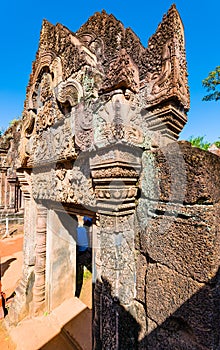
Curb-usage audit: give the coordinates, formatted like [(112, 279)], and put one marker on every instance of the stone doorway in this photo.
[(68, 270)]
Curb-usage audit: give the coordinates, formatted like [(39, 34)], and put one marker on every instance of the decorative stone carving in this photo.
[(40, 263), (113, 36), (70, 91), (57, 71), (116, 223), (115, 180), (166, 76), (113, 121), (52, 145), (122, 74), (115, 172), (63, 185), (84, 126), (43, 59), (72, 186)]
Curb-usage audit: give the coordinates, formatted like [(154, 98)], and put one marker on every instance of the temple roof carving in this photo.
[(79, 78)]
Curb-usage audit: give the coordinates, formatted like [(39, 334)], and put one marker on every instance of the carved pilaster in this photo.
[(12, 192), (21, 303), (40, 263), (115, 173), (2, 190)]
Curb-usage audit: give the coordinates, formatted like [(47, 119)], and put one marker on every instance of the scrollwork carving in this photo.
[(114, 172), (70, 91)]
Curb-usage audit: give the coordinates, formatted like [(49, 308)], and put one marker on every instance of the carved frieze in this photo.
[(116, 223), (63, 185), (51, 145), (115, 172), (114, 156)]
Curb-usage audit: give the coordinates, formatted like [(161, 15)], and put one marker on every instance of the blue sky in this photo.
[(20, 28)]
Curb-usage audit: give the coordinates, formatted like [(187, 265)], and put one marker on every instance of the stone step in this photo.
[(69, 326)]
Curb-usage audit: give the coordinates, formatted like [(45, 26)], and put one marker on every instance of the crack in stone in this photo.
[(181, 274)]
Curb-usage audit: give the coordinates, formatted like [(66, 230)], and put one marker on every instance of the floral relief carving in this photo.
[(63, 185), (115, 172)]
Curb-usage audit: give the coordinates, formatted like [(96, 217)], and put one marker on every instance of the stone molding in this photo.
[(115, 173)]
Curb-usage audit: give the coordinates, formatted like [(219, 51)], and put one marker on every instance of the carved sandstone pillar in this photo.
[(3, 192), (7, 192), (12, 192), (21, 304), (40, 263), (115, 173)]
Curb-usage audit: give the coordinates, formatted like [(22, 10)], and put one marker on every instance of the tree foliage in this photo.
[(217, 143), (212, 85), (199, 142)]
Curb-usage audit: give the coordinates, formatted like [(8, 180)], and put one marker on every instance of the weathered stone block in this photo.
[(141, 265), (186, 239), (184, 310), (181, 173)]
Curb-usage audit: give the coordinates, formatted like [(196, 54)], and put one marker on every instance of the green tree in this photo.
[(212, 85), (217, 143), (199, 142)]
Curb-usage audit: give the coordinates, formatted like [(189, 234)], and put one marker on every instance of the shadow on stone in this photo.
[(114, 327), (5, 265), (194, 326), (75, 334)]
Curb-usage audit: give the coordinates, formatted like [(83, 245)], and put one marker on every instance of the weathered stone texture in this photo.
[(99, 116), (169, 294), (180, 239), (181, 173), (141, 264), (10, 192), (185, 239)]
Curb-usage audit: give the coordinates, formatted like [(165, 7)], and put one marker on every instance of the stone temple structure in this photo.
[(10, 191), (98, 138)]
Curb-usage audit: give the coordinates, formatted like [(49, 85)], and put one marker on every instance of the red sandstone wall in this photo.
[(178, 277)]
